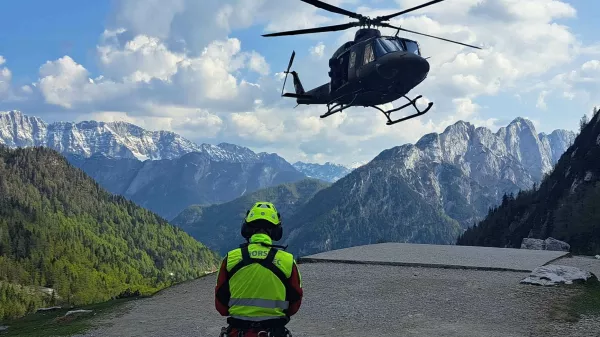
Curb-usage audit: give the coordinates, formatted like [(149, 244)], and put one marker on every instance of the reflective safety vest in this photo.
[(258, 282)]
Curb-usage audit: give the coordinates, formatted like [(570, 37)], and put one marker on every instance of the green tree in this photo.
[(584, 121)]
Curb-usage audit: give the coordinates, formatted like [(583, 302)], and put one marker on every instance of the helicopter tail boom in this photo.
[(297, 84)]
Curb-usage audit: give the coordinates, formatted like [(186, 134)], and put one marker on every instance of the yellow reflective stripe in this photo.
[(257, 319), (259, 302)]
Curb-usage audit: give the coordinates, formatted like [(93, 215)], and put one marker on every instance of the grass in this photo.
[(578, 300), (52, 323), (588, 302)]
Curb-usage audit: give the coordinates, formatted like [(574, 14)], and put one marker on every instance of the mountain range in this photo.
[(168, 186), (219, 225), (564, 206), (418, 192), (124, 140), (159, 170), (329, 172), (428, 192)]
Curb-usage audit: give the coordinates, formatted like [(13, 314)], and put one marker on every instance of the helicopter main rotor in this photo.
[(363, 21)]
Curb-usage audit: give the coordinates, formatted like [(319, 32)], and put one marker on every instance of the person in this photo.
[(258, 285)]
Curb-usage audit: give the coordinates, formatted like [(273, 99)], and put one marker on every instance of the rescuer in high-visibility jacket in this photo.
[(258, 286)]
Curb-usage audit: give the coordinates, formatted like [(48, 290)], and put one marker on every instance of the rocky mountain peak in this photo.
[(329, 171)]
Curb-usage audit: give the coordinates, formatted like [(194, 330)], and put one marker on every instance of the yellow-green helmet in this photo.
[(263, 215)]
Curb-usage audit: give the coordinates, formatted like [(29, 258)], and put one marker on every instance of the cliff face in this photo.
[(565, 206), (430, 191)]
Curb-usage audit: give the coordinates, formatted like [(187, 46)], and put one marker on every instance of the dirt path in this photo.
[(359, 300)]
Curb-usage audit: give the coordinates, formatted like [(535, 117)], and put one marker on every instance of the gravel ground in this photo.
[(359, 300)]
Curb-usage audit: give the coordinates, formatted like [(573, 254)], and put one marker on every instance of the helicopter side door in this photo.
[(354, 62)]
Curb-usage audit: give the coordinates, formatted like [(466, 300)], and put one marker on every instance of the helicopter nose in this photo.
[(406, 65), (418, 64)]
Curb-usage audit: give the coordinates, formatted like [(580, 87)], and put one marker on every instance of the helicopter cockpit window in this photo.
[(369, 56), (412, 47), (384, 46)]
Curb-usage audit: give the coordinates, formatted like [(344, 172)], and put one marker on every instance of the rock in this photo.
[(554, 274), (530, 243), (77, 312), (598, 257), (48, 309), (556, 245), (3, 328), (548, 244)]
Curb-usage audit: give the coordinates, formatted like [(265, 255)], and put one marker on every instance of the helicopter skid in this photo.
[(338, 107), (410, 102)]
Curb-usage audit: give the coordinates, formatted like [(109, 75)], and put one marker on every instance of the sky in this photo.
[(201, 68)]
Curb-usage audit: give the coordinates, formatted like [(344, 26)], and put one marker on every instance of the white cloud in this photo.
[(317, 51), (582, 84), (142, 59), (64, 82), (5, 79), (258, 64), (541, 101)]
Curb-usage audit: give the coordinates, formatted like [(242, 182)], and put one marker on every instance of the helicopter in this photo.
[(371, 70)]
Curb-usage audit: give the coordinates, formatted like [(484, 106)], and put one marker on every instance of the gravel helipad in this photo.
[(439, 256), (374, 300)]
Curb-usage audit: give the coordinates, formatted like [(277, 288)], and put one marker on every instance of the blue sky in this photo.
[(203, 70), (37, 31)]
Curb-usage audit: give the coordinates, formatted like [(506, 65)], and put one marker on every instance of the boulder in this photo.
[(555, 274), (556, 245), (530, 243), (548, 244)]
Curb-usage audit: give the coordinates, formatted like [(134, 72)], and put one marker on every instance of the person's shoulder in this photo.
[(285, 256), (233, 257)]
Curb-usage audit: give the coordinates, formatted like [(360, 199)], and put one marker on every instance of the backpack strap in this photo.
[(246, 261), (268, 263)]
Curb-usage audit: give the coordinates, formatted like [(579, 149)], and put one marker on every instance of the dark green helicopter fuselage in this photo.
[(371, 70)]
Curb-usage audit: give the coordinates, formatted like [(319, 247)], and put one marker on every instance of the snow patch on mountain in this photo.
[(466, 168), (328, 172), (116, 140)]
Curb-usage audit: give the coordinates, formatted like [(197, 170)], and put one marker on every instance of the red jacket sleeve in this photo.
[(297, 293), (222, 293)]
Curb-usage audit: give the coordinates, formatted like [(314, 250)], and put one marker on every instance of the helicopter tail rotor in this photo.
[(288, 71)]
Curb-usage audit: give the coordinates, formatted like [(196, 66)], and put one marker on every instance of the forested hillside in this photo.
[(566, 205), (369, 205), (59, 229), (219, 225)]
